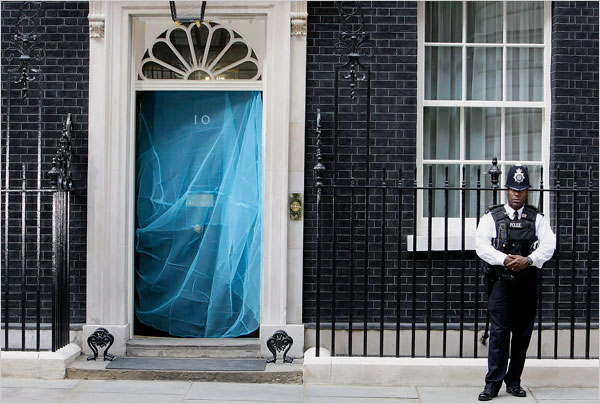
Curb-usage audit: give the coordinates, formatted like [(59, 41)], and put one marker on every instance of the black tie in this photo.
[(515, 215)]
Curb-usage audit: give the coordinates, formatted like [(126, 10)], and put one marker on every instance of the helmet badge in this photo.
[(519, 177)]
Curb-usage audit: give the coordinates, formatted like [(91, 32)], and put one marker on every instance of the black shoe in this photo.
[(516, 391), (487, 394)]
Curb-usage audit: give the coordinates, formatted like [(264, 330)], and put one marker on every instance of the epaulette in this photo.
[(531, 210), (494, 207)]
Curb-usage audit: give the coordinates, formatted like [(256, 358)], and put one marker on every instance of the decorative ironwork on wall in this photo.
[(25, 47), (206, 51), (354, 42)]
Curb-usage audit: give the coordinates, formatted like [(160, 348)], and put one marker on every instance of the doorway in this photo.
[(199, 211)]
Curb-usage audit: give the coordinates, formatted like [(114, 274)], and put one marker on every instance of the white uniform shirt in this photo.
[(486, 231)]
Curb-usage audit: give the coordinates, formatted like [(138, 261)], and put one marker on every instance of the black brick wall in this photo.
[(63, 32), (393, 32), (574, 142), (392, 29)]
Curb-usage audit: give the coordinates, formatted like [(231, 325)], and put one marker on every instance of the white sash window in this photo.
[(483, 92)]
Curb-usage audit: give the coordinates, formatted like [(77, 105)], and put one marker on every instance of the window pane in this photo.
[(485, 197), (443, 73), (524, 134), (153, 70), (484, 74), (164, 53), (484, 22), (439, 196), (246, 70), (443, 21), (525, 74), (482, 133), (525, 21), (441, 133), (180, 41)]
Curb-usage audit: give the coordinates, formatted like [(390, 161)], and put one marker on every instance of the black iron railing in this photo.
[(380, 274), (373, 276), (35, 224)]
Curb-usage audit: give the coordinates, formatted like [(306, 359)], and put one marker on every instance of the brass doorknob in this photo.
[(295, 206)]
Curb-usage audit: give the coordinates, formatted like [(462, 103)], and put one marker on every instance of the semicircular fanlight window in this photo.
[(209, 52)]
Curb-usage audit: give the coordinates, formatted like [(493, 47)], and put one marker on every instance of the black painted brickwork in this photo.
[(574, 142), (392, 28), (63, 32), (574, 132)]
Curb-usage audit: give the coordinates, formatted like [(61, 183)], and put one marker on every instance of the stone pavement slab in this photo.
[(31, 395), (236, 402), (563, 394), (34, 390), (246, 392), (359, 400), (151, 391), (315, 393), (129, 398), (467, 395), (39, 383), (133, 386), (320, 390)]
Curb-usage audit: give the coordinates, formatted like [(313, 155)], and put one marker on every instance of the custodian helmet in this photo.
[(518, 178)]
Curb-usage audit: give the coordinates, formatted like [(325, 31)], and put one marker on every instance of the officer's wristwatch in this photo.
[(529, 261)]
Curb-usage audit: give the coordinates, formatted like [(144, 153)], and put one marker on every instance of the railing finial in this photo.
[(60, 175), (495, 174)]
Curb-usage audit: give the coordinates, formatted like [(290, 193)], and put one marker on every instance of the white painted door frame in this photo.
[(111, 167)]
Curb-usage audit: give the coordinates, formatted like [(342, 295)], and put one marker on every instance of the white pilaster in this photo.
[(109, 166), (296, 158), (277, 98)]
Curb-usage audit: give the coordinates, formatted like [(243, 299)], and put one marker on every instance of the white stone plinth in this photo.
[(38, 365), (440, 371)]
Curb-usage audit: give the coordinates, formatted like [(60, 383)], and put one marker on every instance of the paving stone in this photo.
[(30, 395), (358, 400), (549, 393), (238, 402), (466, 395), (245, 392), (39, 384), (133, 386), (324, 391), (96, 397)]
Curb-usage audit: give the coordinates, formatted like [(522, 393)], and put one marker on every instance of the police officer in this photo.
[(515, 240)]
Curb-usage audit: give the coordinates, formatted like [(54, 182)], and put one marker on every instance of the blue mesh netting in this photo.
[(199, 212)]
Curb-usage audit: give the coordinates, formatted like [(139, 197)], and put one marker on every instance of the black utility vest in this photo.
[(515, 237)]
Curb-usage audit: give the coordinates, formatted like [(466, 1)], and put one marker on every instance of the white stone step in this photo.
[(161, 347)]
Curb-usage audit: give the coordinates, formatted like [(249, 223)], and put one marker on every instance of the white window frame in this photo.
[(454, 224)]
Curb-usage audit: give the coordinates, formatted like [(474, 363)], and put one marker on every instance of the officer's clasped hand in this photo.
[(515, 262)]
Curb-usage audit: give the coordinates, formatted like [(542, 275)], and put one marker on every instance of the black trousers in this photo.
[(512, 306)]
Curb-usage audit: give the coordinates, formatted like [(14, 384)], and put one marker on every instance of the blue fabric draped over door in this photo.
[(199, 212)]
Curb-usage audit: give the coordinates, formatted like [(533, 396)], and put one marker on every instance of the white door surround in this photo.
[(111, 166)]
